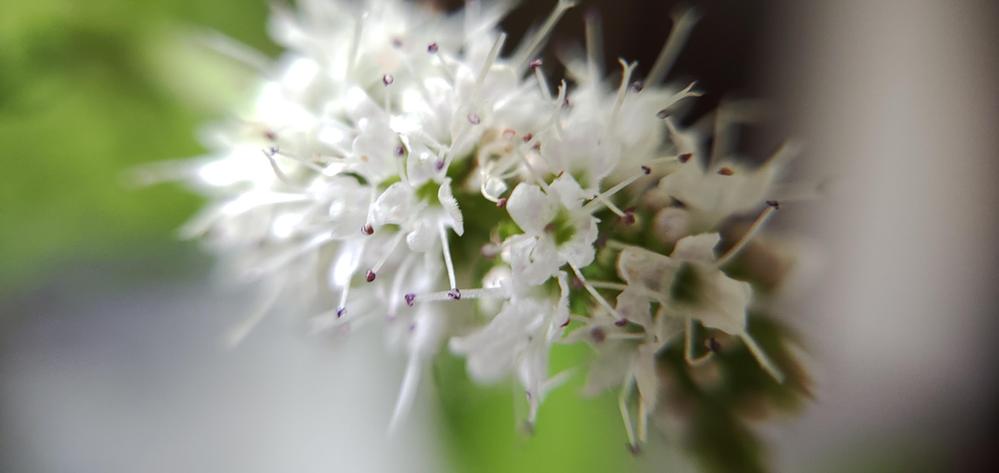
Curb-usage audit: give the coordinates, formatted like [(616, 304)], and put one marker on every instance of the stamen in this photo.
[(762, 358), (539, 75), (350, 268), (367, 229), (239, 332), (601, 198), (539, 37), (372, 273), (488, 64), (275, 151), (387, 79), (610, 205), (449, 295), (593, 292), (397, 281), (530, 170), (726, 171), (355, 42), (277, 170), (434, 49), (643, 419), (688, 344), (671, 49), (594, 42), (761, 219), (406, 393), (622, 89), (447, 259), (622, 404)]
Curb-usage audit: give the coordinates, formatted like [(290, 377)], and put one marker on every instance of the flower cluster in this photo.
[(396, 166)]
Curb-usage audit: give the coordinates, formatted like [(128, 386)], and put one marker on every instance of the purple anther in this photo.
[(410, 298), (432, 48), (454, 294), (370, 276)]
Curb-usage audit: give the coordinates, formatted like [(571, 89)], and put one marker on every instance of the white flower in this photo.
[(388, 133), (557, 230), (689, 285), (518, 339)]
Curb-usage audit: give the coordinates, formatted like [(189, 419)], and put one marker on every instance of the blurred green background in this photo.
[(88, 90)]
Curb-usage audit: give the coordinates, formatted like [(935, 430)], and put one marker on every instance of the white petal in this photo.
[(646, 269), (423, 236), (568, 191), (726, 303), (579, 249), (700, 248), (395, 205), (447, 200), (533, 259), (634, 305), (530, 208), (644, 369)]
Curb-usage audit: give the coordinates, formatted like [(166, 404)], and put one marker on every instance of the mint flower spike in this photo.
[(392, 153)]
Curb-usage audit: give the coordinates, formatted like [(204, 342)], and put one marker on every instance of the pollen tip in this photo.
[(712, 344), (454, 294), (726, 171), (340, 312), (370, 276), (634, 448), (474, 118), (773, 203), (501, 203), (432, 48), (621, 322), (566, 323), (387, 79), (662, 114), (367, 229), (399, 150), (684, 157), (647, 170), (439, 165), (528, 137), (535, 63), (628, 218), (410, 299), (637, 86), (598, 334), (529, 427)]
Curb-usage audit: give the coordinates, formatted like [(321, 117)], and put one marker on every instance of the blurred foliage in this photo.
[(82, 100)]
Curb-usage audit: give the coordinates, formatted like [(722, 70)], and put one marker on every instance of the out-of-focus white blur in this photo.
[(896, 100), (108, 372)]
